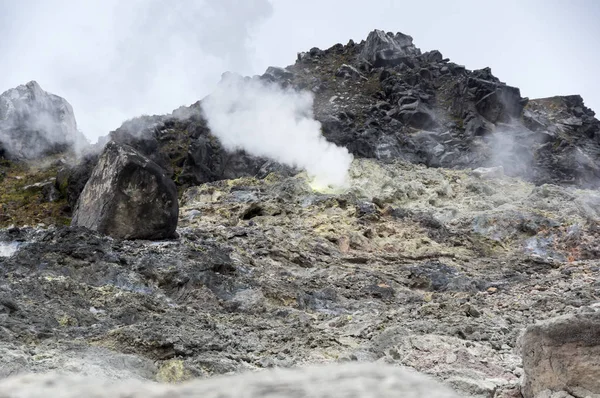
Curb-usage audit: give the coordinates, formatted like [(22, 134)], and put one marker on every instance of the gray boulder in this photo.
[(128, 197), (417, 115), (562, 354), (275, 73), (349, 72), (35, 123), (386, 49), (354, 380)]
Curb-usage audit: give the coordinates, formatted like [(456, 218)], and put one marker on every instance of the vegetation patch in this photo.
[(24, 195)]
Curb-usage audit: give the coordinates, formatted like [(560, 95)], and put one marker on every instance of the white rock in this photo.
[(350, 380), (488, 172)]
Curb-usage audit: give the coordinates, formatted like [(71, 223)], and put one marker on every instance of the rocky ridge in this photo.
[(34, 123), (384, 99), (471, 214)]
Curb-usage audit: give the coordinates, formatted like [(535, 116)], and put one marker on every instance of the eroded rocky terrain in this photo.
[(440, 272), (471, 214)]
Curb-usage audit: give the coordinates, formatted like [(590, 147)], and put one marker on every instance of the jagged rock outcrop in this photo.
[(385, 99), (341, 381), (387, 49), (183, 144), (562, 355), (35, 123), (422, 108), (128, 197)]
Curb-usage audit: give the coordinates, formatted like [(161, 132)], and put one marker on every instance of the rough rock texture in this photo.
[(387, 49), (468, 218), (341, 381), (128, 197), (72, 177), (422, 108), (434, 269), (182, 144), (385, 99), (563, 354), (35, 123)]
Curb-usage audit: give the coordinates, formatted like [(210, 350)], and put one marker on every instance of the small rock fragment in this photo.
[(487, 173)]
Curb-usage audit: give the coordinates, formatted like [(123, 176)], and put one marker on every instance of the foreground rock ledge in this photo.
[(128, 197), (562, 354), (349, 380)]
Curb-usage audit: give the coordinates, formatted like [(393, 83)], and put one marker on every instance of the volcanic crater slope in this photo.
[(471, 214)]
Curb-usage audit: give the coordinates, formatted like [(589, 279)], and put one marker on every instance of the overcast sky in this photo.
[(113, 60)]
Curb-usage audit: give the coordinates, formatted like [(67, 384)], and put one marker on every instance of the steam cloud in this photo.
[(113, 60), (267, 120), (34, 122)]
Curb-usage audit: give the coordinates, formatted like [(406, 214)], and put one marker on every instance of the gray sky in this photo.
[(113, 60)]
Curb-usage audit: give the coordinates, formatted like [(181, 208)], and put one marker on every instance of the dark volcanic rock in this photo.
[(71, 179), (208, 161), (128, 197), (34, 123), (384, 99), (183, 145), (386, 49), (348, 72), (436, 276), (417, 115), (479, 121)]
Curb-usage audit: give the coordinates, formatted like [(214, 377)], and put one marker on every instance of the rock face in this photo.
[(434, 269), (387, 49), (385, 99), (419, 263), (71, 178), (563, 354), (341, 381), (183, 145), (128, 197), (35, 123), (420, 107)]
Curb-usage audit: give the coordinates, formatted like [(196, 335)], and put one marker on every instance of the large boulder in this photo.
[(562, 354), (128, 197), (386, 49), (35, 123), (337, 381)]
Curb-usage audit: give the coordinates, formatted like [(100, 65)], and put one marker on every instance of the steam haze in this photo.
[(267, 120), (115, 60)]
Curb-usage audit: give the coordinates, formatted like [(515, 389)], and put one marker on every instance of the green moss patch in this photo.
[(22, 202)]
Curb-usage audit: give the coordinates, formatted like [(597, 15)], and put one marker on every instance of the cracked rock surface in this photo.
[(434, 269)]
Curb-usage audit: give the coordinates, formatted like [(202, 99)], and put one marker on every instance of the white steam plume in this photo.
[(267, 120), (114, 60)]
